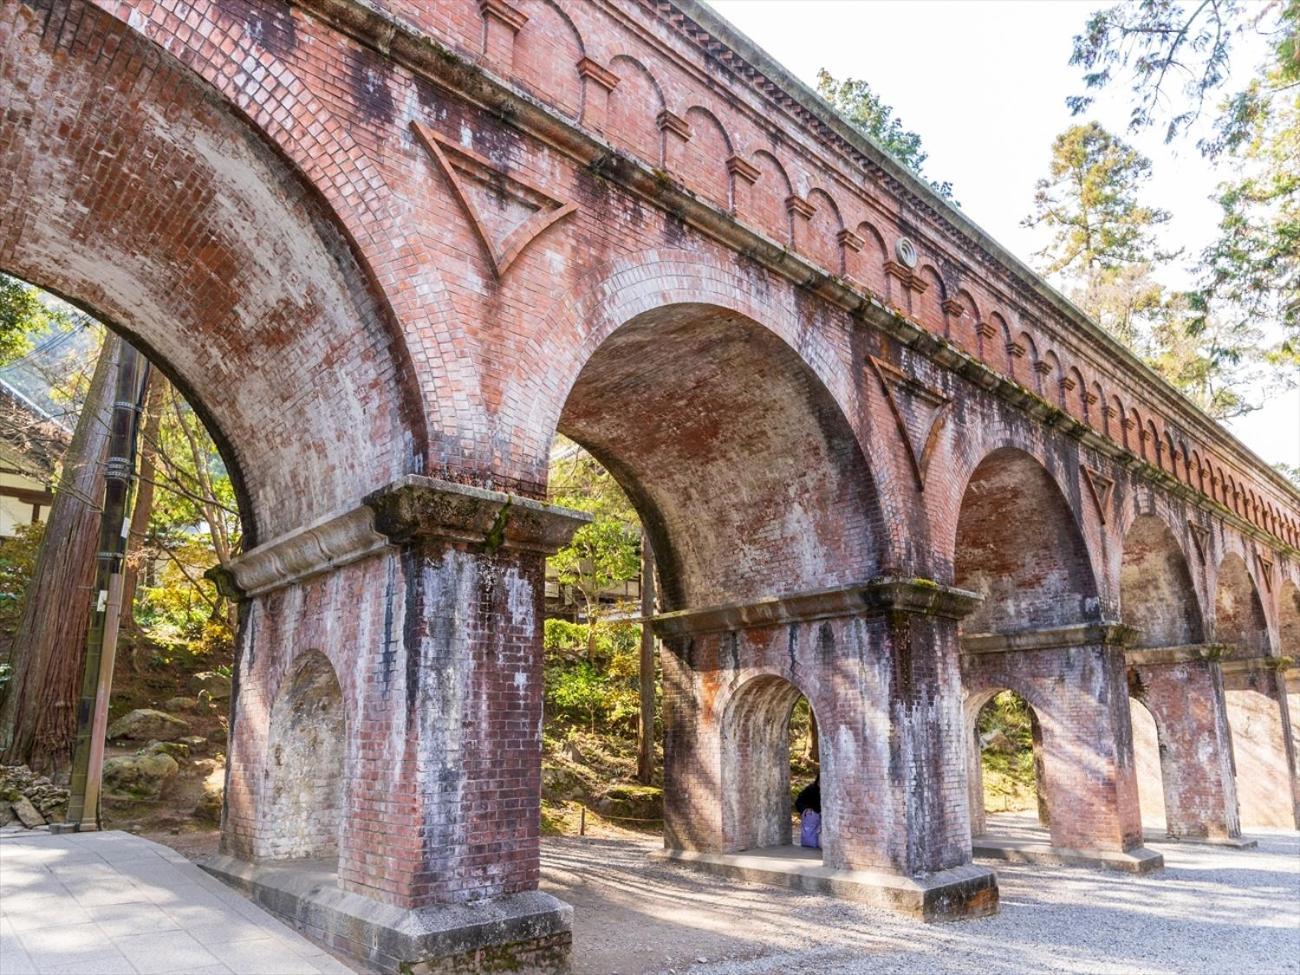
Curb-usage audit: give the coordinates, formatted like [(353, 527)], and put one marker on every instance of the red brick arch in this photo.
[(252, 298)]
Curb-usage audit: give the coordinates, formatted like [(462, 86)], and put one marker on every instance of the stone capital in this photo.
[(410, 508), (879, 596), (1185, 653), (1051, 638), (418, 507)]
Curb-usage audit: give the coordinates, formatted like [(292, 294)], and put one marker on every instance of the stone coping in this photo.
[(964, 891), (1053, 638), (884, 594), (409, 508), (305, 893), (1182, 654)]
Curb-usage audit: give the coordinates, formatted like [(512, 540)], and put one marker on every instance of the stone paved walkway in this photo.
[(115, 904)]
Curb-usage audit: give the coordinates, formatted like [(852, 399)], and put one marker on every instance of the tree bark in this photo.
[(38, 714), (645, 758)]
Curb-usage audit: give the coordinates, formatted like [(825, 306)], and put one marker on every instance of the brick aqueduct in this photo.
[(391, 247)]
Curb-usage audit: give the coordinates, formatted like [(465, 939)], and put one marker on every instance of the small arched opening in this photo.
[(305, 778), (1007, 775), (1148, 757), (758, 789)]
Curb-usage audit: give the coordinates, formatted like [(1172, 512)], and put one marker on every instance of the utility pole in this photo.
[(645, 756), (101, 640)]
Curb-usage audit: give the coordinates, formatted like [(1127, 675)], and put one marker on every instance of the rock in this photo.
[(217, 685), (561, 782), (632, 802), (218, 737), (17, 781), (27, 813), (194, 742), (145, 723), (209, 806), (177, 750), (7, 814), (187, 704), (139, 776)]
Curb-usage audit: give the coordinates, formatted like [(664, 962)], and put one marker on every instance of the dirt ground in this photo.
[(1210, 911)]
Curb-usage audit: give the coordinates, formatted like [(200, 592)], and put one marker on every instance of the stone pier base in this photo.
[(948, 895), (1136, 860), (521, 932)]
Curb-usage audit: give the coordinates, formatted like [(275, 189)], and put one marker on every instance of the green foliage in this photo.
[(23, 314), (181, 614), (17, 563), (1005, 731), (1090, 202), (860, 106), (591, 679), (1177, 57)]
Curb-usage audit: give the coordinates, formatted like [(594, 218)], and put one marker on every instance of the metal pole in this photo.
[(101, 640)]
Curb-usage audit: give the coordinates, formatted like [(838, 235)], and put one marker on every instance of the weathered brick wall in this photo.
[(1079, 696), (716, 300), (887, 701), (1192, 773)]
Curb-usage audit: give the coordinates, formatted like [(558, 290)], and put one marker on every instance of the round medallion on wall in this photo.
[(905, 250)]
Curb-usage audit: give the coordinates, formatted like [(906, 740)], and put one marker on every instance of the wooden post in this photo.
[(101, 641)]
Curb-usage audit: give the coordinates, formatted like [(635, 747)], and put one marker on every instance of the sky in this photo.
[(984, 83)]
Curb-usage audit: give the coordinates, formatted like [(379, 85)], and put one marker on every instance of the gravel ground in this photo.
[(1211, 910)]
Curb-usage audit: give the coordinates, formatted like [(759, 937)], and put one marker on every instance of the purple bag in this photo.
[(810, 830)]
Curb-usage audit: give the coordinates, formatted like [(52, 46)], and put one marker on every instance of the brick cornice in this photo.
[(881, 595), (1256, 665), (429, 58), (592, 71)]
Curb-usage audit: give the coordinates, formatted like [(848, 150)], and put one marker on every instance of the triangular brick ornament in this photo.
[(919, 411), (1101, 488), (1265, 571), (1200, 538), (506, 211)]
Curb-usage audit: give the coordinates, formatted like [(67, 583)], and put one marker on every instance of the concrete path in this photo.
[(110, 903)]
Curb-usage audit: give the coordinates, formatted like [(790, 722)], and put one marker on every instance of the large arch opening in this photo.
[(1157, 597), (1239, 619), (1255, 700), (1288, 626), (1019, 547), (749, 484), (158, 209)]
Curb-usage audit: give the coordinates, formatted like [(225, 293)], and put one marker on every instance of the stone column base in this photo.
[(521, 932), (1137, 860), (948, 895), (1231, 842)]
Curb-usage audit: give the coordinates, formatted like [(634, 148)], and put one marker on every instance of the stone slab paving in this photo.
[(115, 904)]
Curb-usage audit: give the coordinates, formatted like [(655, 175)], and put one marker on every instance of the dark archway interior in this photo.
[(746, 474), (1239, 614), (1018, 546), (1157, 597)]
